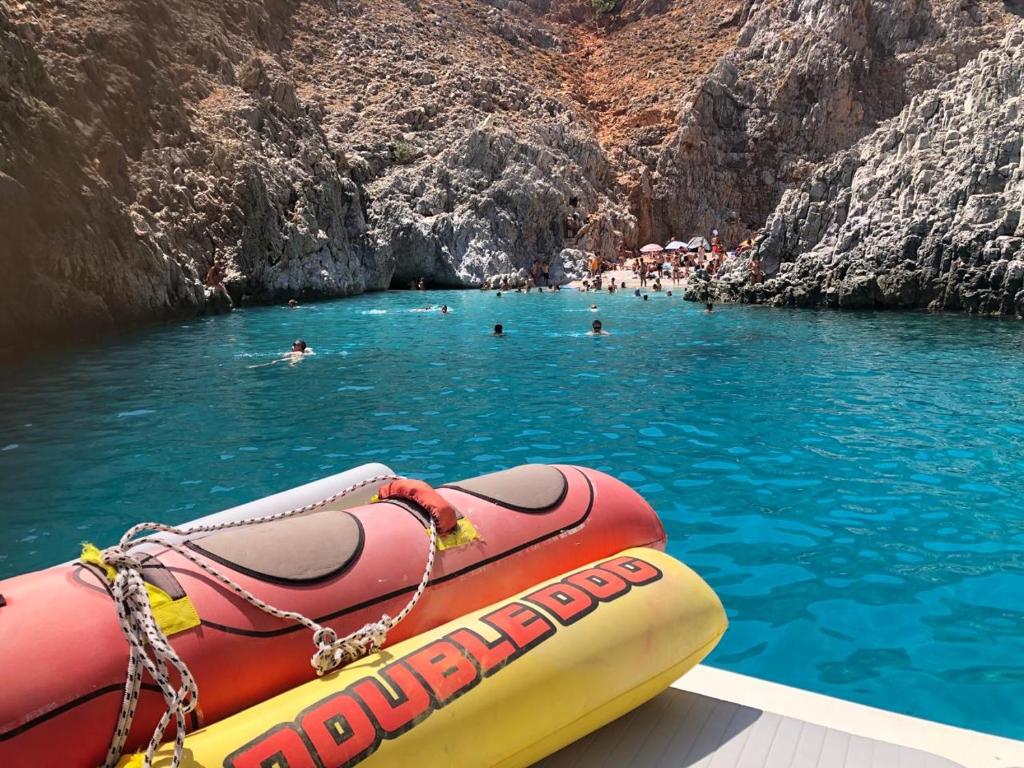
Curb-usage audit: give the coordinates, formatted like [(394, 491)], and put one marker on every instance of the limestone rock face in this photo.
[(313, 149), (807, 78), (322, 148), (493, 202), (141, 147), (927, 211)]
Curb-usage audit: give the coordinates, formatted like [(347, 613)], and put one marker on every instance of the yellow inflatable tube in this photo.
[(504, 686)]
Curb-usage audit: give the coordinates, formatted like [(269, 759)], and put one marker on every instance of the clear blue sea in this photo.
[(850, 484)]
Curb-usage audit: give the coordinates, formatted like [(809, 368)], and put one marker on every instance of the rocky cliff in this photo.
[(806, 79), (927, 211), (328, 147)]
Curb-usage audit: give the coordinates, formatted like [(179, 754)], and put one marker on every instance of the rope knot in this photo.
[(151, 653), (120, 558), (325, 637)]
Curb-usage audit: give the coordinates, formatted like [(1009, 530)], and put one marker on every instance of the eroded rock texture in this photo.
[(807, 78), (927, 211), (329, 147)]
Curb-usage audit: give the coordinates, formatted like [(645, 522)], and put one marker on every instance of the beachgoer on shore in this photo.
[(422, 284), (499, 330)]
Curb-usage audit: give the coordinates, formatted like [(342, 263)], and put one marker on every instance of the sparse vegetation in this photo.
[(403, 151), (604, 6)]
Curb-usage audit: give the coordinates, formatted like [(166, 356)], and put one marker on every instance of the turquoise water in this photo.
[(851, 484)]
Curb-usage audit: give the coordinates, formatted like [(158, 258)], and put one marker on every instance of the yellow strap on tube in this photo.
[(172, 616)]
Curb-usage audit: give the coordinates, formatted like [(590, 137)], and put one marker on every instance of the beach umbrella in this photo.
[(651, 248), (675, 245), (697, 242)]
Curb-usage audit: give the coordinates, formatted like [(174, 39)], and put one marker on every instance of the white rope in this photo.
[(151, 651)]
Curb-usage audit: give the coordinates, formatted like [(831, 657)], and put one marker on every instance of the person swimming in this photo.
[(646, 297), (497, 295), (293, 303), (597, 329), (709, 307), (593, 307), (499, 330), (296, 354), (299, 349), (444, 309)]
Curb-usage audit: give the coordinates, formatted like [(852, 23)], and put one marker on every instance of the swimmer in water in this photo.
[(298, 352), (709, 307), (593, 307), (444, 309), (596, 329), (497, 295), (499, 330), (293, 304)]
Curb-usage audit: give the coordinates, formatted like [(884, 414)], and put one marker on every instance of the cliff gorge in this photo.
[(328, 147)]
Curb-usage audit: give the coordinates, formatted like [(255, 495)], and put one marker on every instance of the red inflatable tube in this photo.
[(64, 658)]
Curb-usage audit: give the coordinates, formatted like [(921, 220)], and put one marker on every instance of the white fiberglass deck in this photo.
[(716, 719)]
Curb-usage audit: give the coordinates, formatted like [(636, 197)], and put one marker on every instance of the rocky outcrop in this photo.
[(494, 202), (928, 211), (142, 143), (807, 78), (328, 147)]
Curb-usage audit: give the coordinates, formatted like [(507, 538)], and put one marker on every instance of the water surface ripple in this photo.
[(850, 484)]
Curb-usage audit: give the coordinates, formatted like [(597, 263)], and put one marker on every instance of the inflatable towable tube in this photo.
[(501, 687), (342, 565)]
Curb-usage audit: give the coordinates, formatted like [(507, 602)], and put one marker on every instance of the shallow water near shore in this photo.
[(850, 484)]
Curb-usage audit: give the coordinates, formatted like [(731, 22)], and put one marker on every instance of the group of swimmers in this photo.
[(596, 329)]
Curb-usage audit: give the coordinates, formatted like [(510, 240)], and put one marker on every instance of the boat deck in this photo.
[(716, 719)]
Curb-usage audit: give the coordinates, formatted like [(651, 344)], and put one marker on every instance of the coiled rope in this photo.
[(151, 651)]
